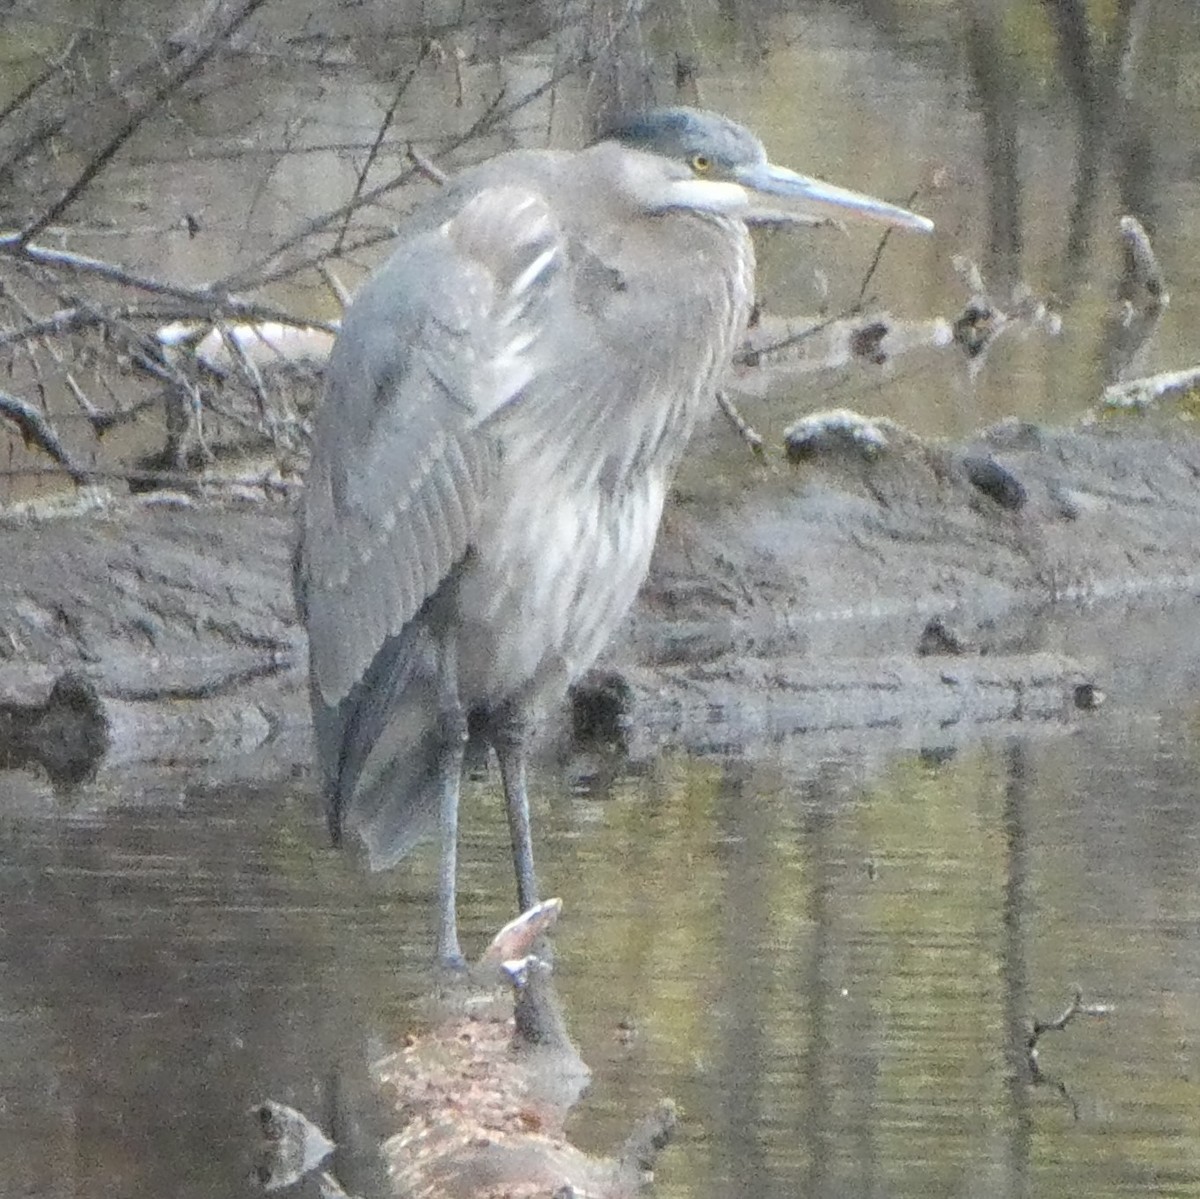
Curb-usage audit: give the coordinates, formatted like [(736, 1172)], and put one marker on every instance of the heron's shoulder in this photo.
[(495, 218), (503, 230)]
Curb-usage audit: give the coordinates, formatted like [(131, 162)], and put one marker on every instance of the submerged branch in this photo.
[(1039, 1027), (481, 1097)]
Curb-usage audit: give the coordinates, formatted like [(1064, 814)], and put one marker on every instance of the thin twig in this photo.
[(1075, 1008), (37, 430), (247, 368), (741, 426), (163, 479), (315, 261), (878, 257), (212, 297), (193, 61), (433, 173), (235, 151), (257, 275), (81, 316), (101, 421), (753, 356), (340, 291), (50, 125), (146, 352), (53, 66), (231, 679), (373, 153), (496, 112)]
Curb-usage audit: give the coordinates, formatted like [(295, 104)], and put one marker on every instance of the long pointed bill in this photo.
[(816, 198)]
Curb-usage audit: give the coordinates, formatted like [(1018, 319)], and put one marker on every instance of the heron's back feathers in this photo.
[(433, 346)]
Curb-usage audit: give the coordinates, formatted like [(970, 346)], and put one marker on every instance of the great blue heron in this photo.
[(505, 405)]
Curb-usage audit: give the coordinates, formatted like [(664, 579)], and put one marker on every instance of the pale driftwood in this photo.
[(1150, 390), (262, 343), (479, 1096)]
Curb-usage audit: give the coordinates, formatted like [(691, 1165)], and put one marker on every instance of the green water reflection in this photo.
[(831, 971), (836, 980)]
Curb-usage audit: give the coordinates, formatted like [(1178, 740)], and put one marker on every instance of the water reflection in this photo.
[(831, 972)]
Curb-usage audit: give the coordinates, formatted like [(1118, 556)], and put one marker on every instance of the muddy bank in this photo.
[(796, 607)]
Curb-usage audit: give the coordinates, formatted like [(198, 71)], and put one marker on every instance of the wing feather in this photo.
[(434, 345)]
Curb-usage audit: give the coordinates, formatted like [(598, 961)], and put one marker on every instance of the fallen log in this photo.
[(794, 607), (481, 1095)]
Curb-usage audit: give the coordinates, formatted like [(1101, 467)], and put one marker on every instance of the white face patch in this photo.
[(708, 195)]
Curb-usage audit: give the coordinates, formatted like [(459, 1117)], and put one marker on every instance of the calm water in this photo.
[(828, 955), (827, 964)]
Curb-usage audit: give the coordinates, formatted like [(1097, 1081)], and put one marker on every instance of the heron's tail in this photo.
[(381, 751)]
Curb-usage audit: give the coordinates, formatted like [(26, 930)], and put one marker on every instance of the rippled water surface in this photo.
[(830, 965)]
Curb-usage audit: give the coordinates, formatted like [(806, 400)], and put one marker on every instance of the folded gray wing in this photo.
[(445, 335)]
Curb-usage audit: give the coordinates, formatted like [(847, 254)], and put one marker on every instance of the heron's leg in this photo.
[(510, 741), (453, 722), (449, 952)]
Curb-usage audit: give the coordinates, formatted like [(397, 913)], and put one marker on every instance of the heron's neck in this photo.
[(684, 310)]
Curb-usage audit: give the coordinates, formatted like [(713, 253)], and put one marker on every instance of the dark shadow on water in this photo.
[(1018, 927)]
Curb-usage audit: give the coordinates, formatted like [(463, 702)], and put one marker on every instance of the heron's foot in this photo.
[(450, 955), (452, 962)]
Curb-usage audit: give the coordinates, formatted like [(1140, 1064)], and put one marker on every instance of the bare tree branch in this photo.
[(191, 60), (81, 317), (258, 275), (53, 67), (37, 430), (211, 299), (373, 152)]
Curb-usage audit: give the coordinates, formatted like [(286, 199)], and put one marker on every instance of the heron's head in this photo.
[(711, 164)]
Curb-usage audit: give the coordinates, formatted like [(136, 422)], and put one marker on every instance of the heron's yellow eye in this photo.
[(701, 163)]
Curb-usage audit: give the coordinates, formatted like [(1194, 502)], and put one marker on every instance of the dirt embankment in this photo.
[(874, 582)]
